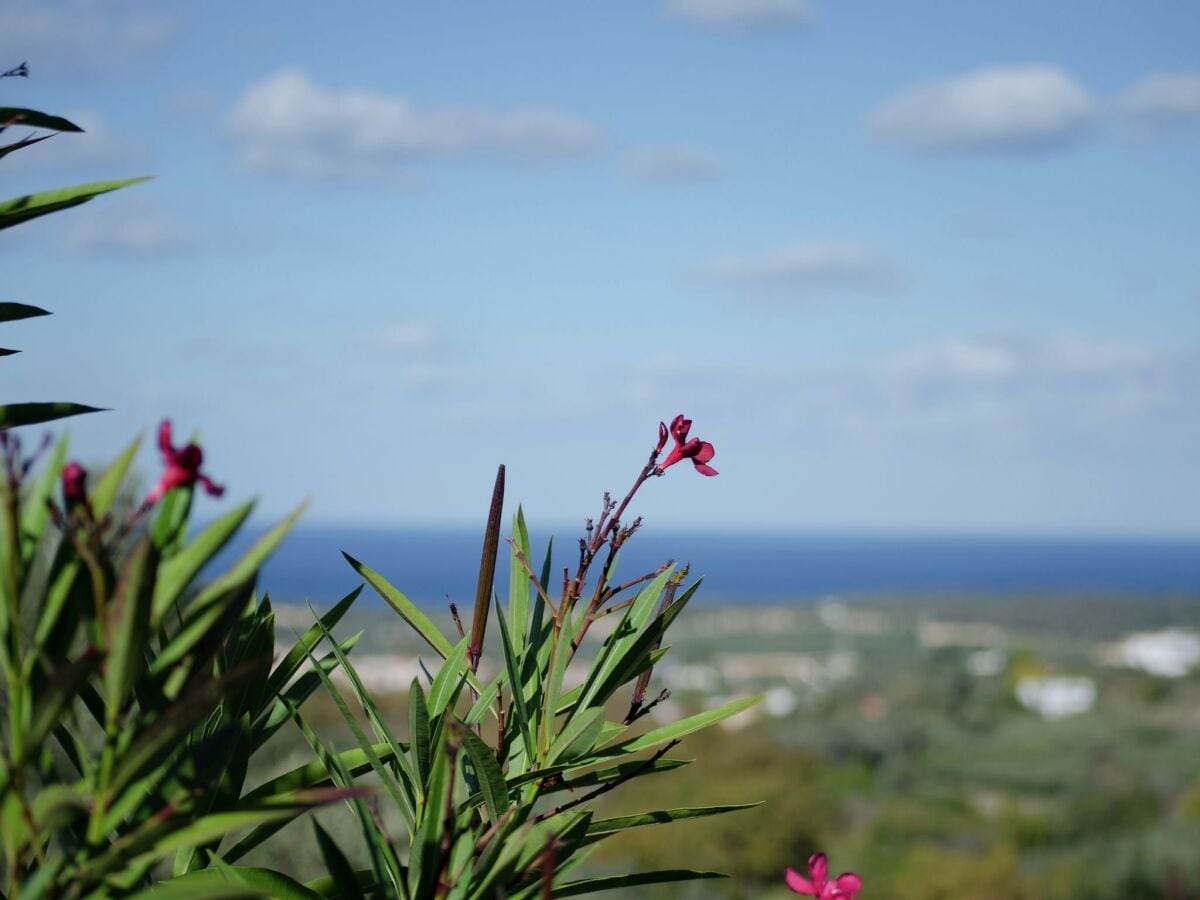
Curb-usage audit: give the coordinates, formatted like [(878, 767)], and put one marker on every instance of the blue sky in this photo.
[(910, 267)]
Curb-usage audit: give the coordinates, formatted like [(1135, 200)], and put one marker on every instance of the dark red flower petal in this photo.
[(662, 438), (164, 438), (679, 428)]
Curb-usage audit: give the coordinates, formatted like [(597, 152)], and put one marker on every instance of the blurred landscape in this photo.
[(943, 743)]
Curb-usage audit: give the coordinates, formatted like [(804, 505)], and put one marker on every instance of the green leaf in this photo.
[(623, 638), (14, 415), (418, 732), (425, 851), (295, 657), (674, 730), (487, 769), (365, 879), (577, 738), (23, 143), (128, 626), (252, 559), (449, 677), (177, 573), (36, 513), (14, 115), (219, 824), (208, 883), (559, 657), (106, 488), (22, 209), (208, 619), (623, 882), (61, 689), (408, 799), (397, 601), (316, 774), (600, 827), (518, 584), (12, 312), (337, 865), (172, 725), (295, 695), (512, 665), (623, 771)]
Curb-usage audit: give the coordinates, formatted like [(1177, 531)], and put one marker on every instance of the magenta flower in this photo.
[(74, 487), (182, 467), (698, 451), (845, 887), (662, 438)]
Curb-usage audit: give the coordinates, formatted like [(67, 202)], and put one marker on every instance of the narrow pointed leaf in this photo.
[(295, 657), (177, 573), (624, 882), (108, 485), (487, 769), (12, 312), (418, 732), (683, 727), (600, 827), (449, 677), (577, 738), (22, 209), (337, 865), (31, 118), (397, 601), (14, 415)]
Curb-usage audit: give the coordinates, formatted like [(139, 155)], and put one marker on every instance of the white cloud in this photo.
[(1162, 99), (741, 13), (805, 265), (957, 358), (676, 163), (289, 125), (999, 358), (80, 36), (403, 336), (128, 229), (1000, 108)]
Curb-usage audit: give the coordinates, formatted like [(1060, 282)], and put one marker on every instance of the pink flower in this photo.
[(74, 487), (74, 483), (844, 887), (182, 467), (662, 438), (698, 451)]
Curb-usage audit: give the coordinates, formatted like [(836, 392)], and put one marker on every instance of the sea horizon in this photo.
[(432, 563)]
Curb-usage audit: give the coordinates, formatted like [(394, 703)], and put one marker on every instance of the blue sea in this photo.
[(429, 565)]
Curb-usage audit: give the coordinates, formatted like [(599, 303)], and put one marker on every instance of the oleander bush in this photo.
[(140, 688)]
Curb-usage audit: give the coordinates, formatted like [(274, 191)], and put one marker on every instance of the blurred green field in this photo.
[(880, 745)]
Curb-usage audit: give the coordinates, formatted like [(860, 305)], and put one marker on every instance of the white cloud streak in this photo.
[(81, 37), (1161, 99), (808, 265), (129, 229), (741, 13), (672, 164), (992, 109), (289, 125), (403, 336)]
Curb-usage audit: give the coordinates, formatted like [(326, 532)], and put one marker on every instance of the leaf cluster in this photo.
[(134, 696)]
